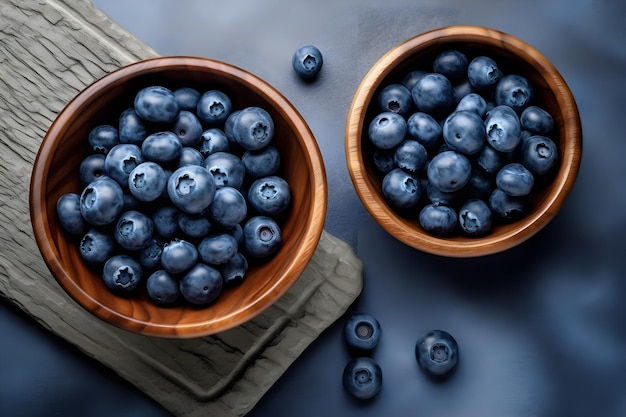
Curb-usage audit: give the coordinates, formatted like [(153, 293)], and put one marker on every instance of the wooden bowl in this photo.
[(56, 172), (512, 56)]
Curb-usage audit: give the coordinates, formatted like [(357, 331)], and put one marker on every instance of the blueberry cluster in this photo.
[(461, 145), (184, 190)]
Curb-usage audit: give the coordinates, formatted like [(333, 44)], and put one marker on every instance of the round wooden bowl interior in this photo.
[(512, 56), (64, 147)]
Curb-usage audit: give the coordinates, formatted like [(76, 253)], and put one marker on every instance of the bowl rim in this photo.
[(294, 266), (399, 227)]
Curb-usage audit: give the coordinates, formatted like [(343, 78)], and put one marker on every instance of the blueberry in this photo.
[(424, 128), (234, 270), (217, 249), (401, 189), (149, 256), (475, 218), (122, 274), (121, 160), (103, 138), (194, 225), (187, 98), (361, 333), (515, 180), (162, 287), (438, 219), (452, 64), (261, 163), (133, 230), (269, 196), (437, 352), (191, 188), (508, 207), (228, 169), (387, 130), (539, 154), (69, 214), (433, 94), (190, 156), (384, 160), (201, 285), (480, 185), (503, 128), (483, 73), (165, 221), (188, 128), (411, 156), (91, 168), (96, 246), (307, 61), (156, 104), (536, 120), (213, 140), (102, 201), (436, 196), (473, 102), (253, 128), (395, 98), (464, 132), (229, 125), (515, 91), (146, 182), (213, 107), (228, 207), (362, 378), (461, 90), (490, 159), (449, 171), (411, 78), (262, 236), (132, 128), (162, 147), (178, 255)]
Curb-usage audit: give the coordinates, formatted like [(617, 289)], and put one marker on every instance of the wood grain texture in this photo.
[(49, 51), (513, 57)]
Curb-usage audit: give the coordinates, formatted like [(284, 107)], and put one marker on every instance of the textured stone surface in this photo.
[(49, 51)]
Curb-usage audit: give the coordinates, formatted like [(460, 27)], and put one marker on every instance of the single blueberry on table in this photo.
[(121, 160), (401, 189), (262, 236), (178, 255), (411, 156), (464, 132), (228, 169), (133, 230), (387, 130), (132, 128), (191, 188), (437, 352), (451, 63), (515, 180), (162, 147), (449, 171), (188, 128), (122, 274), (234, 270), (217, 249), (69, 214), (228, 207), (362, 378), (536, 120), (269, 196), (253, 128), (438, 219), (503, 128), (307, 61), (162, 287), (213, 107), (103, 138), (187, 98), (96, 246), (91, 168), (539, 154), (424, 128), (102, 201), (433, 94), (483, 73), (361, 333), (515, 91), (201, 285), (156, 104), (395, 98), (147, 181), (475, 218)]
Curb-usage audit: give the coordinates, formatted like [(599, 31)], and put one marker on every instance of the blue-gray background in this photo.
[(542, 328)]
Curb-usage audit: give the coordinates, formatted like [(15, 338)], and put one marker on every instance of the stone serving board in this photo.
[(49, 51)]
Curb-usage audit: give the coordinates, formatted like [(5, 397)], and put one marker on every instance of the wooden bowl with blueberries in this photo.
[(463, 141), (178, 197)]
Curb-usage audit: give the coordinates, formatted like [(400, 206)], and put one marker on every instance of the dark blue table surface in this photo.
[(541, 328)]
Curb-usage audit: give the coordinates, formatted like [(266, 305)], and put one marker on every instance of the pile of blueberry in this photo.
[(461, 145), (436, 353), (178, 196)]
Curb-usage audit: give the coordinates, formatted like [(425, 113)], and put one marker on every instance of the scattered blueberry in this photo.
[(362, 378), (361, 333), (307, 61), (436, 352)]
